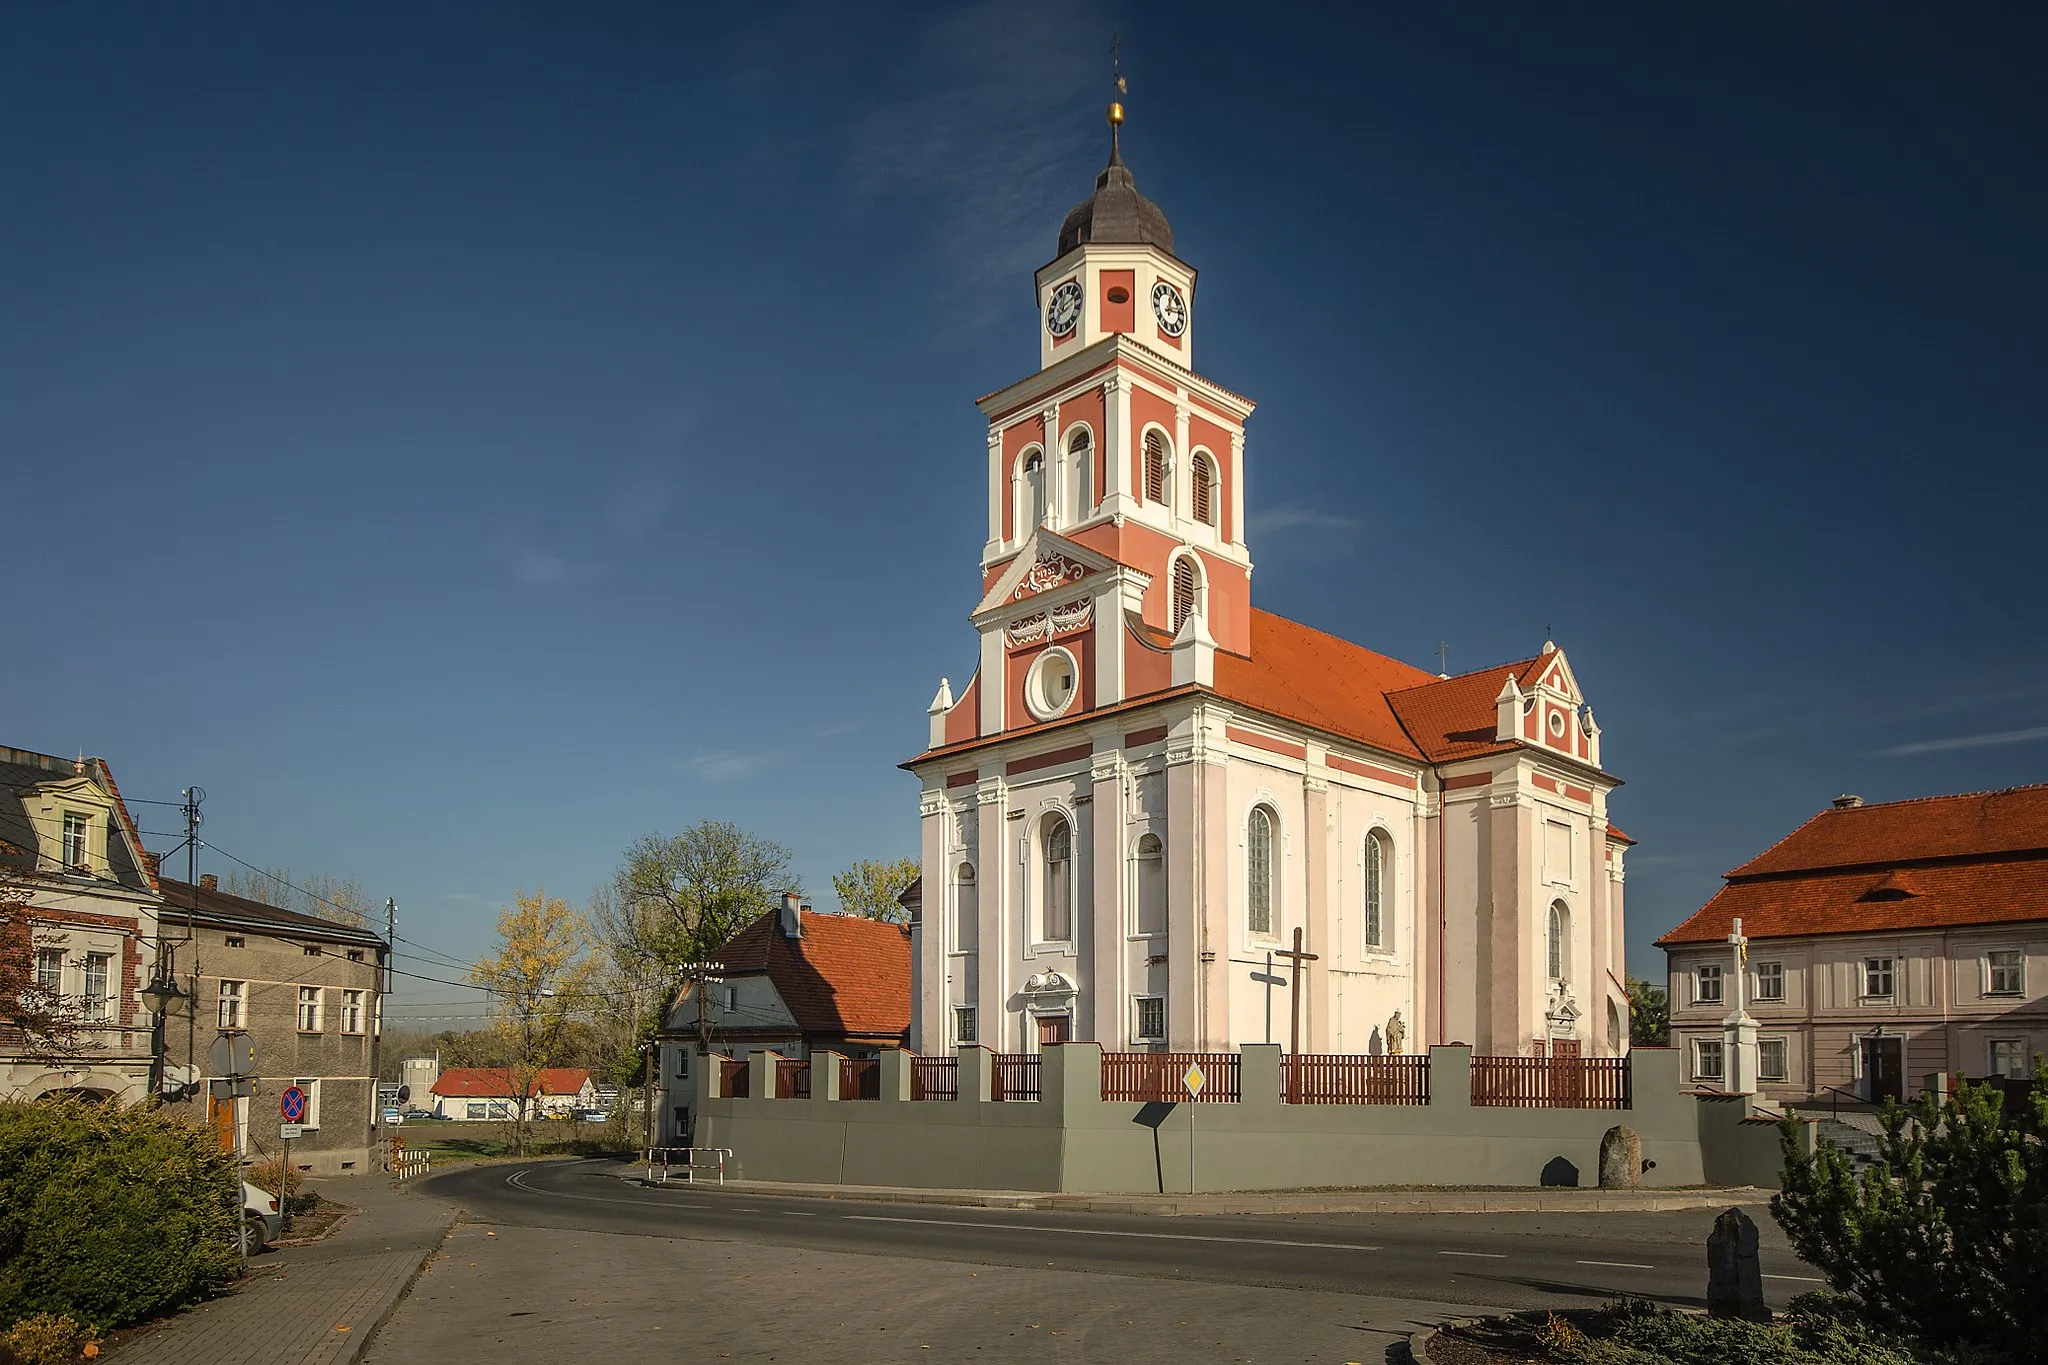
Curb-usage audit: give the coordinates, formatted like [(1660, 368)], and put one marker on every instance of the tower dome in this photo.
[(1116, 212)]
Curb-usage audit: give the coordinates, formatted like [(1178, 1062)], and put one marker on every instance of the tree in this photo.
[(679, 897), (1947, 1237), (40, 1023), (538, 976), (1649, 1014), (341, 900), (869, 888)]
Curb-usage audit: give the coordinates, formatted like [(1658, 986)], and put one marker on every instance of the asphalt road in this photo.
[(1500, 1260)]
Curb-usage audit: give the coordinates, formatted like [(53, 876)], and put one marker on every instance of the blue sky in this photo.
[(465, 438)]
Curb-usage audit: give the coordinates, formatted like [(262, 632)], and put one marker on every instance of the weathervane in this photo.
[(1117, 90)]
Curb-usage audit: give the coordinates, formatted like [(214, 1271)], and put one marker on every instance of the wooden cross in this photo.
[(1297, 957)]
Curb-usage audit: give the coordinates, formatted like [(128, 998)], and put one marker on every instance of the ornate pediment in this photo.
[(1049, 569), (1048, 563)]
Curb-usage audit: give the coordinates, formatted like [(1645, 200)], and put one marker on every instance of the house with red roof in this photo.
[(792, 982), (1149, 790), (491, 1093), (1872, 946)]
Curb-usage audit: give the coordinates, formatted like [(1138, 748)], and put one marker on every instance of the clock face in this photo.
[(1063, 309), (1170, 308)]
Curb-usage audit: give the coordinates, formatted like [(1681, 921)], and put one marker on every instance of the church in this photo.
[(1150, 792)]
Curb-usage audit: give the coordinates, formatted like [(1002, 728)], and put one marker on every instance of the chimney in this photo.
[(1847, 802), (792, 915), (155, 863), (208, 882)]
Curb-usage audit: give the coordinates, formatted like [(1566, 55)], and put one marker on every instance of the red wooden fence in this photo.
[(1014, 1076), (1550, 1082), (733, 1080), (1150, 1077), (792, 1079), (1314, 1078), (935, 1078), (860, 1078)]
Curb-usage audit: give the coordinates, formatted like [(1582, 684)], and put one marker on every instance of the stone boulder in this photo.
[(1621, 1159)]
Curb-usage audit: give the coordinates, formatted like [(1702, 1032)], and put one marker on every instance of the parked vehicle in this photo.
[(418, 1113), (262, 1219)]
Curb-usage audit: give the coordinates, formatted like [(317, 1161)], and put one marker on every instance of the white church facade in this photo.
[(1148, 786)]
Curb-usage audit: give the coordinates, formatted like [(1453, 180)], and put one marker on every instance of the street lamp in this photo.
[(159, 995)]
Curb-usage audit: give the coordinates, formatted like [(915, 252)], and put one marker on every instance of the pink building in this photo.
[(1148, 786), (1885, 943)]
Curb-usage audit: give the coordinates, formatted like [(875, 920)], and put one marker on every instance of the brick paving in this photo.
[(311, 1305)]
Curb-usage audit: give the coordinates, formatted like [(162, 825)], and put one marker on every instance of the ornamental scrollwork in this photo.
[(1047, 572)]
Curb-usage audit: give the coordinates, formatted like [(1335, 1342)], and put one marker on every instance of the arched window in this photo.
[(1058, 902), (1187, 588), (1375, 889), (1258, 871), (1157, 456), (1614, 1034), (1560, 956), (1204, 475), (1081, 459), (1151, 888), (966, 911), (1033, 491)]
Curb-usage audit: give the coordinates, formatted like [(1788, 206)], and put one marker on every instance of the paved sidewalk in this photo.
[(311, 1305), (1279, 1201)]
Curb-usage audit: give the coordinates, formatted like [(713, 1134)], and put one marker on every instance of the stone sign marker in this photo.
[(1735, 1277), (1621, 1159)]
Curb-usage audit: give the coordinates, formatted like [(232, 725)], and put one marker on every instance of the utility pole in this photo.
[(377, 1018), (194, 795)]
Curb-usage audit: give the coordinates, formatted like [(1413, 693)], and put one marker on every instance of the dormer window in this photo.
[(77, 841)]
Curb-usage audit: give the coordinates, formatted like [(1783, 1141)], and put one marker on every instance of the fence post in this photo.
[(761, 1074), (1259, 1075), (1450, 1077), (977, 1073), (710, 1078), (825, 1076), (895, 1076), (1070, 1080)]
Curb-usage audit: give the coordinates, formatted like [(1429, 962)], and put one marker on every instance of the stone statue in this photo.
[(1735, 1277), (1621, 1159), (1397, 1033)]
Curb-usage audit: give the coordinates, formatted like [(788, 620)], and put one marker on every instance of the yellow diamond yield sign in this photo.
[(1195, 1080)]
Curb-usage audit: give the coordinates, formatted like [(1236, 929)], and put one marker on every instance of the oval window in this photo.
[(1119, 295), (1050, 686)]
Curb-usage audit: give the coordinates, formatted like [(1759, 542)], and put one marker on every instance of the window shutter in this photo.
[(1203, 511), (1155, 467), (1183, 591)]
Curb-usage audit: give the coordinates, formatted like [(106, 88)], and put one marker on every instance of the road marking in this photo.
[(1489, 1255), (792, 1213), (1803, 1279), (1109, 1232), (1620, 1265)]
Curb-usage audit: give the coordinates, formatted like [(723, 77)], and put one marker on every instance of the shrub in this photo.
[(46, 1339), (110, 1215), (1946, 1239), (1812, 1332), (264, 1175)]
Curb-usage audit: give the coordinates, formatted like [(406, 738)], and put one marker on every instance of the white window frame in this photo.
[(1868, 973), (1557, 943), (1700, 976), (76, 841), (352, 1012), (2018, 968), (965, 1014), (1056, 881), (94, 1007), (1376, 857), (966, 882), (50, 981), (1702, 1048), (2026, 1058), (1080, 454), (1779, 972), (1269, 883), (233, 1004), (311, 1085), (1763, 1071), (683, 1063), (312, 1012), (1139, 861), (1139, 1034)]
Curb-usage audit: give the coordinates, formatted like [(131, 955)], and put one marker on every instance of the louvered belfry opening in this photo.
[(1204, 509), (1183, 591), (1155, 467)]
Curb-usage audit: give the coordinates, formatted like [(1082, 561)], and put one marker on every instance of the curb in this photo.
[(369, 1338), (1501, 1202)]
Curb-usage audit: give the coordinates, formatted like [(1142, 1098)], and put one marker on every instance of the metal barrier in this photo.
[(686, 1158), (410, 1163)]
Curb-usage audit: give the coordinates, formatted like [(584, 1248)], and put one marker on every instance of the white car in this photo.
[(262, 1219)]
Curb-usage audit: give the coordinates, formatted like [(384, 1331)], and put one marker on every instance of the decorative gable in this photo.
[(1047, 563)]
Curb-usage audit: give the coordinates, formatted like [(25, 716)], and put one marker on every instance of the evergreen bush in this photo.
[(110, 1216), (1946, 1239)]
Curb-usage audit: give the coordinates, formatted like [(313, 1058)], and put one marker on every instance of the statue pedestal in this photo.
[(1738, 1054)]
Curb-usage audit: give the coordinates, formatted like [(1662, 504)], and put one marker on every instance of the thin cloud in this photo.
[(538, 568), (726, 763), (1998, 739), (1300, 515)]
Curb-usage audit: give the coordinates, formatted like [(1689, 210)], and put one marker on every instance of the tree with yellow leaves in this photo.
[(537, 978)]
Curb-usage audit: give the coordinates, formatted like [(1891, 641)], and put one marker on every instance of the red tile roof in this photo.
[(1454, 718), (1934, 862), (493, 1082), (1305, 675), (847, 977)]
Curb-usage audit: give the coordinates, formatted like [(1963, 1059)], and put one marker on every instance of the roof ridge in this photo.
[(1514, 664), (1944, 796)]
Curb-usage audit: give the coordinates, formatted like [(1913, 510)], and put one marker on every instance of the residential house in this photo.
[(308, 991), (1884, 943), (487, 1093), (792, 982), (68, 843)]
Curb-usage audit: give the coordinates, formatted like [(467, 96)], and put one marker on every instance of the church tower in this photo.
[(1147, 786)]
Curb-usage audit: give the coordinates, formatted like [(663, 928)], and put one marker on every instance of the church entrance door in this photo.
[(1884, 1069), (1054, 1029)]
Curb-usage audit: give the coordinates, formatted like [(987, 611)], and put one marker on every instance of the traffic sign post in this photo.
[(291, 1106)]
